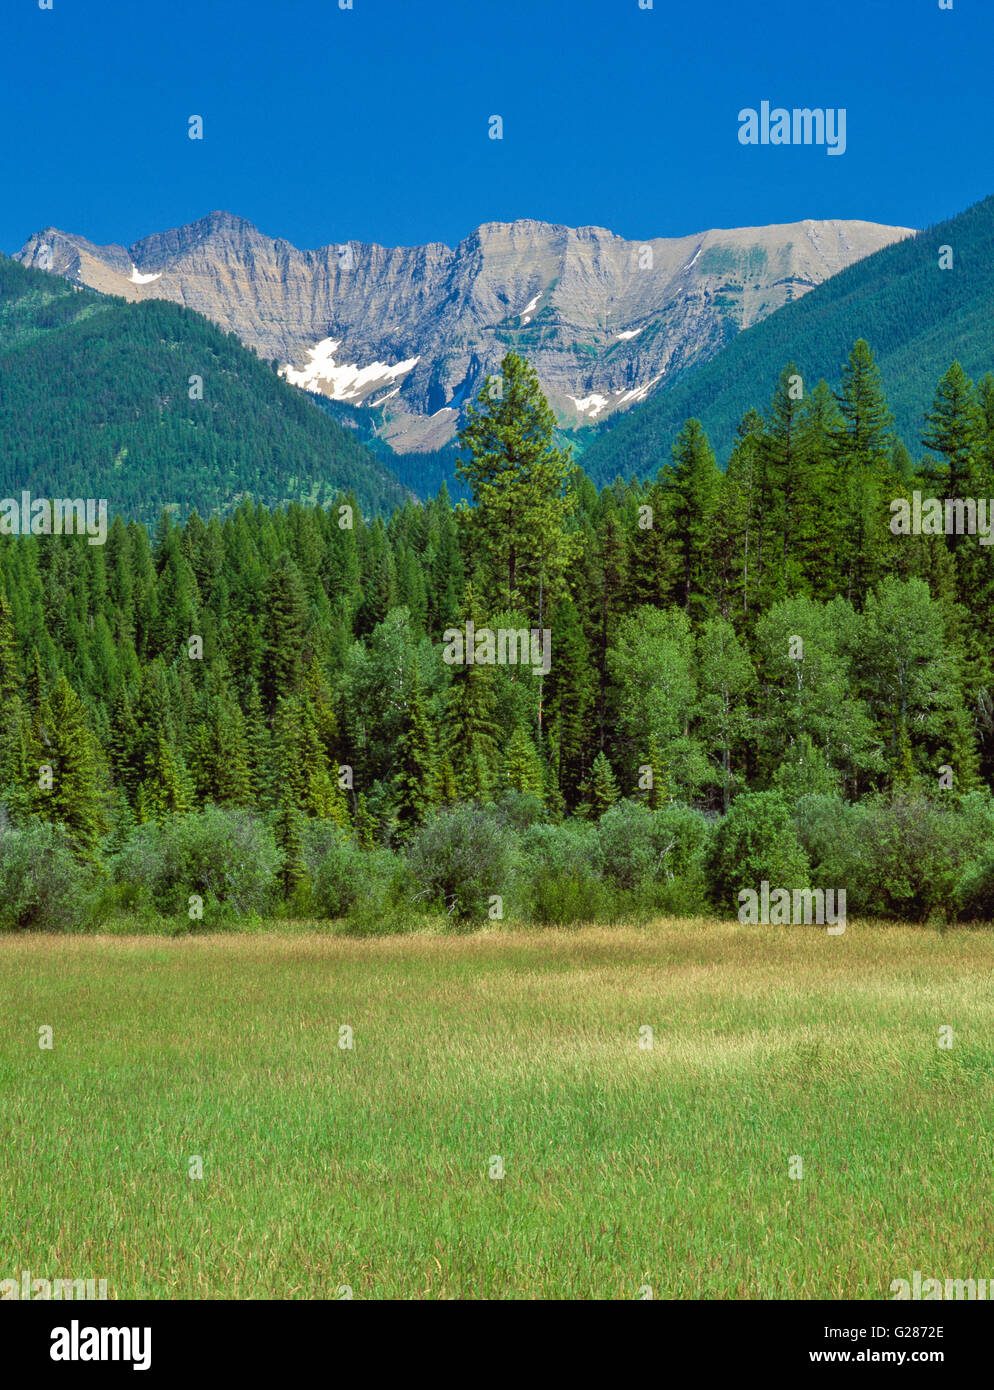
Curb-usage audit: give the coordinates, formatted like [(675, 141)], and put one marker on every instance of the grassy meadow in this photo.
[(624, 1167)]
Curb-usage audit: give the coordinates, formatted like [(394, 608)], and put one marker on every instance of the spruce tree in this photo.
[(603, 790), (10, 678), (570, 701), (283, 622), (415, 781), (519, 480), (75, 798), (692, 486), (470, 726), (523, 767)]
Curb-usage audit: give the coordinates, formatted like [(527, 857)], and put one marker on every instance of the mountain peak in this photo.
[(411, 331)]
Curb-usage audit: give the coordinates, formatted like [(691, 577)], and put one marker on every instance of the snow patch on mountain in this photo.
[(590, 406), (345, 382), (639, 393), (528, 310)]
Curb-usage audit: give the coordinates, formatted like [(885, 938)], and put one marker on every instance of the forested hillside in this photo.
[(151, 406), (915, 315), (714, 636)]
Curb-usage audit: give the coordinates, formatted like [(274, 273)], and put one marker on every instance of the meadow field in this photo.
[(374, 1168)]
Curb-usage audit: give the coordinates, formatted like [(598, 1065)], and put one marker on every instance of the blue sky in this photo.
[(324, 125)]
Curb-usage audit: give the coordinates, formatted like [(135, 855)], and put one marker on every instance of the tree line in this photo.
[(713, 633)]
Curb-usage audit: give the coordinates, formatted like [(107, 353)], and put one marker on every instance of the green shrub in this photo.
[(756, 841), (974, 894), (228, 858), (573, 848), (562, 866), (347, 879), (910, 856), (627, 843), (900, 856), (461, 857), (657, 856), (42, 885), (829, 834), (520, 810), (561, 898)]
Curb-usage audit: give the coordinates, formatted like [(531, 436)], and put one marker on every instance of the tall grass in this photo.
[(623, 1167)]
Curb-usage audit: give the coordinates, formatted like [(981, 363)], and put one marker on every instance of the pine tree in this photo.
[(284, 617), (520, 484), (692, 487), (10, 679), (259, 749), (417, 768), (165, 790), (570, 697), (606, 568), (603, 791), (955, 431), (301, 769), (448, 790), (863, 484), (76, 798), (470, 726), (523, 768), (220, 761), (379, 579), (19, 759), (289, 831), (365, 824)]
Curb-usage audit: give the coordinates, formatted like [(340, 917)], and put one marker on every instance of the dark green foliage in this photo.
[(905, 857), (740, 643), (756, 841), (656, 854), (103, 387), (347, 876)]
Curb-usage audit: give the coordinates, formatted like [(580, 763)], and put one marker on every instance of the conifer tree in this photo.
[(570, 699), (523, 768), (863, 481), (284, 618), (470, 725), (365, 824), (76, 798), (692, 485), (165, 790), (519, 480), (288, 830), (220, 759), (603, 790), (417, 767), (10, 679), (258, 748)]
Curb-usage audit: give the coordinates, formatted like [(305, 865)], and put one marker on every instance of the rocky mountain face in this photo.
[(411, 331)]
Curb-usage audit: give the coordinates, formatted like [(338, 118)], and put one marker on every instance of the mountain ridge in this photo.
[(412, 331), (916, 317)]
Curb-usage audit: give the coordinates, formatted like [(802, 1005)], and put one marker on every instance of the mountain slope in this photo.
[(916, 317), (412, 331), (95, 402)]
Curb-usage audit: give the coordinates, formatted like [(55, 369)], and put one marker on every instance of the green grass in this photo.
[(624, 1167)]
